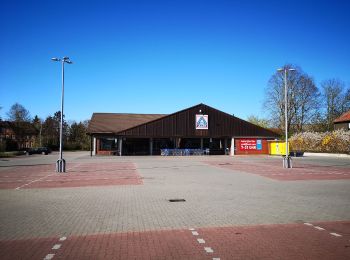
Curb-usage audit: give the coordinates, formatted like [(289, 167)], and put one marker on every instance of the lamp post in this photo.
[(61, 163), (286, 159)]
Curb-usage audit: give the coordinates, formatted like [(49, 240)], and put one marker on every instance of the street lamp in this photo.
[(286, 160), (61, 163)]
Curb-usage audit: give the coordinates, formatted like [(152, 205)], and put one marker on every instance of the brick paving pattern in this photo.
[(26, 249), (274, 170), (227, 213), (78, 175), (289, 242), (292, 241)]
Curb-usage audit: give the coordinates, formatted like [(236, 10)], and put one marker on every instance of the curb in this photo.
[(338, 155)]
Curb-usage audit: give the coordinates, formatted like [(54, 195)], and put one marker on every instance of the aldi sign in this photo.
[(201, 121)]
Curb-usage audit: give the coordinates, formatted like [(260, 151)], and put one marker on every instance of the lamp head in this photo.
[(282, 69), (55, 59)]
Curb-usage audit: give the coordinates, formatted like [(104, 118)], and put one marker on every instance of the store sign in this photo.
[(258, 144), (201, 121), (250, 144)]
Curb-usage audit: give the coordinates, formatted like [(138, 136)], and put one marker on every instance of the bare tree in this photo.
[(18, 113), (302, 95), (306, 101), (258, 121), (336, 99)]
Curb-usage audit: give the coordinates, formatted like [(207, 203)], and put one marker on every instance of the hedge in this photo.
[(337, 141)]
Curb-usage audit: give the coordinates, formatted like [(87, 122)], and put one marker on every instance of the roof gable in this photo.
[(116, 122), (182, 123), (343, 118)]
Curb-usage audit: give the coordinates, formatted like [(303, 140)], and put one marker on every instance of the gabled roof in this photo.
[(343, 118), (182, 123), (116, 122)]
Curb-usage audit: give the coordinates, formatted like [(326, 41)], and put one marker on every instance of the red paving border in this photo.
[(292, 241), (78, 175), (275, 171), (287, 241)]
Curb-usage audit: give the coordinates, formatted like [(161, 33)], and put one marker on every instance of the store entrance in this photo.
[(136, 146)]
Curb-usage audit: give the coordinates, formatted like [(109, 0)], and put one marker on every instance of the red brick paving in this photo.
[(340, 227), (26, 249), (274, 170), (174, 244), (78, 175), (16, 176), (292, 241), (288, 242)]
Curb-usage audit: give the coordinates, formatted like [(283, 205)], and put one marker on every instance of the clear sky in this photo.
[(163, 56)]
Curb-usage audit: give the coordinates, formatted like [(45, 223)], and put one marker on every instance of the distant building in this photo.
[(17, 135), (198, 128), (342, 122)]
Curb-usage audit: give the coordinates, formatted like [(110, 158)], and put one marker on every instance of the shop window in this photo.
[(107, 144)]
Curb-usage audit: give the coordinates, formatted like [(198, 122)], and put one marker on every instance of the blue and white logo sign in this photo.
[(258, 144), (201, 121)]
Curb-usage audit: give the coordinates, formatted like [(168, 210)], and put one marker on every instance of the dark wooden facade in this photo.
[(142, 134), (182, 124)]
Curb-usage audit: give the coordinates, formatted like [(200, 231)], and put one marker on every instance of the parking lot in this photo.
[(243, 207)]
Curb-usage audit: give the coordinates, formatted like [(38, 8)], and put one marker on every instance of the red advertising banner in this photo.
[(247, 144)]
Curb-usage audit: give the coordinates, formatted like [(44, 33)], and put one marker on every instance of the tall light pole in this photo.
[(286, 159), (61, 163)]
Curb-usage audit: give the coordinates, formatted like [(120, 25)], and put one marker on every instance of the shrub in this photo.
[(337, 141)]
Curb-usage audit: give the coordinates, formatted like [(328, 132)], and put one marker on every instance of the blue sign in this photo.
[(258, 144)]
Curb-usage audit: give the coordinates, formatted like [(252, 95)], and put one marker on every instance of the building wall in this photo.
[(12, 141), (182, 125), (344, 126)]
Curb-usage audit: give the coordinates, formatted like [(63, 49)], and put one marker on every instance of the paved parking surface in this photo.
[(290, 241), (235, 210), (78, 175), (273, 170)]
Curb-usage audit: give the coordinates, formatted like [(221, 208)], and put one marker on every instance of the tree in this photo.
[(303, 96), (336, 99), (78, 138), (51, 130), (38, 125), (18, 113), (258, 121), (305, 101)]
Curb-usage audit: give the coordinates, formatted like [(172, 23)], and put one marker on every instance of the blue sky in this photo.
[(163, 56)]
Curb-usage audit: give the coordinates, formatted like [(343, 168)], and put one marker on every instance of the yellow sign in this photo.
[(278, 147)]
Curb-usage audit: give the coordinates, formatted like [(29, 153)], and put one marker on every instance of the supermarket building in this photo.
[(200, 129)]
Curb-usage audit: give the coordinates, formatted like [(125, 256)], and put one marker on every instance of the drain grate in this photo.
[(177, 200)]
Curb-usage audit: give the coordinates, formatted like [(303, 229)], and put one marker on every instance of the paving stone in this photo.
[(217, 196)]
